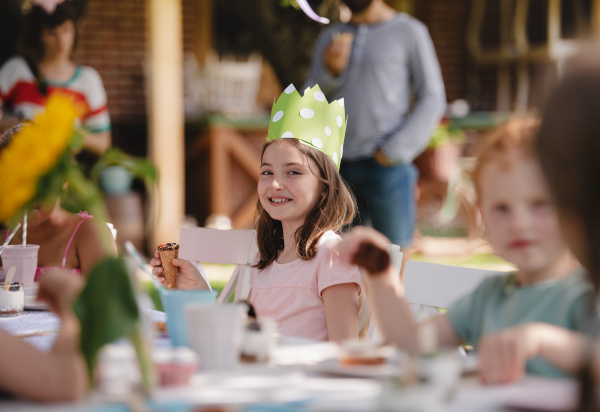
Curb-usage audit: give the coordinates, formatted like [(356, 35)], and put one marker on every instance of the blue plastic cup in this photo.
[(173, 303)]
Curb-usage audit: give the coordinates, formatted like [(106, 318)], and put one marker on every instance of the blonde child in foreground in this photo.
[(517, 322), (58, 375), (298, 278)]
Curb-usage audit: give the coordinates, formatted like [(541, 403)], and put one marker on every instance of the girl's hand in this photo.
[(188, 276), (351, 243), (503, 355)]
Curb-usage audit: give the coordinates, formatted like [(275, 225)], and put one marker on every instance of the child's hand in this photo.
[(59, 289), (352, 248), (503, 355), (337, 54), (188, 276)]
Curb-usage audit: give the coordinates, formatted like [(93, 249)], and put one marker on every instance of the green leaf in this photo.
[(139, 167), (106, 309)]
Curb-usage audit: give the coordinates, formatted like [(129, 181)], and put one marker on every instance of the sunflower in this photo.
[(33, 154)]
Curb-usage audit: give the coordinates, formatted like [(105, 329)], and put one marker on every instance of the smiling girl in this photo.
[(298, 278)]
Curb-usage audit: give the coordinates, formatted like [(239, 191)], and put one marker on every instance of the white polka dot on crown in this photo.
[(287, 135), (277, 116), (328, 130), (339, 121), (335, 159), (289, 89), (319, 96), (307, 113), (341, 101), (317, 142)]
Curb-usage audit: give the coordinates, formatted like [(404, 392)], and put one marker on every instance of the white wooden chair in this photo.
[(236, 247), (365, 311), (429, 287), (433, 286)]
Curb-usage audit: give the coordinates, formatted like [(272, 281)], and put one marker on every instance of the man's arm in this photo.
[(414, 135)]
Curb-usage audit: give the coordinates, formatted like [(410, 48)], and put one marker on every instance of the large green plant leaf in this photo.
[(106, 309), (138, 167)]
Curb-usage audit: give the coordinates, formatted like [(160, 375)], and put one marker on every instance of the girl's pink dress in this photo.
[(291, 293)]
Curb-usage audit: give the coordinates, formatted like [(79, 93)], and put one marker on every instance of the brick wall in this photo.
[(112, 39), (447, 22)]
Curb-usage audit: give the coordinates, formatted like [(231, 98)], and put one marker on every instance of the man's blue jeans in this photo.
[(386, 195)]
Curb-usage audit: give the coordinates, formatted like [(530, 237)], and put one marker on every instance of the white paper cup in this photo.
[(215, 333), (25, 259)]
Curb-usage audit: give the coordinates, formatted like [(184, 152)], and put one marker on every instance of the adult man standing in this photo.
[(378, 62)]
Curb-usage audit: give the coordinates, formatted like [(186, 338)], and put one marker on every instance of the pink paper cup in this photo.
[(24, 258)]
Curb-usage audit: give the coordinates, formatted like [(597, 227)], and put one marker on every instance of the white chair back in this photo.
[(365, 311), (433, 286), (236, 247)]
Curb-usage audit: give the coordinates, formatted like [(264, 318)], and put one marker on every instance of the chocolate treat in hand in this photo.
[(372, 258), (167, 253)]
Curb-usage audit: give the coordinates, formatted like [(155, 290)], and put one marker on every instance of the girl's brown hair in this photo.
[(38, 19), (334, 210), (569, 150)]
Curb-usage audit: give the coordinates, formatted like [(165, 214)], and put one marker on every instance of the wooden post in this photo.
[(164, 73), (596, 18), (203, 43)]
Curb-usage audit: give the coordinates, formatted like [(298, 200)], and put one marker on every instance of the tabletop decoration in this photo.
[(36, 167)]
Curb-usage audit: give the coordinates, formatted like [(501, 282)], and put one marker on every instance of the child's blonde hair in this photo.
[(334, 210), (518, 133)]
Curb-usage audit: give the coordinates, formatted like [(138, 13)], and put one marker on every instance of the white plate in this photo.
[(31, 303), (393, 367)]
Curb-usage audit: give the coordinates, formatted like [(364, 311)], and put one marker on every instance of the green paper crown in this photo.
[(310, 119)]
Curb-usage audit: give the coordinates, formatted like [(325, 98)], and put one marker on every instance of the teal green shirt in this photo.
[(499, 303)]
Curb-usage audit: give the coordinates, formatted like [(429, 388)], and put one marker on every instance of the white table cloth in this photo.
[(291, 384)]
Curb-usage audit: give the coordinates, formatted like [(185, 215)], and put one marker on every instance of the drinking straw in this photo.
[(25, 228), (9, 238)]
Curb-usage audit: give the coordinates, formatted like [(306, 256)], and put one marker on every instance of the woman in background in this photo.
[(45, 67)]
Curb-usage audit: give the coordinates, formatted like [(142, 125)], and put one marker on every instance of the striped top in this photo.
[(390, 61), (20, 92)]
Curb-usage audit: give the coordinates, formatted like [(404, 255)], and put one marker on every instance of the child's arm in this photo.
[(93, 243), (59, 375), (394, 317), (503, 355), (341, 311), (188, 276)]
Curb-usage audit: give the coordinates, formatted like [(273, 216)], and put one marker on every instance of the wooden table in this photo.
[(224, 161)]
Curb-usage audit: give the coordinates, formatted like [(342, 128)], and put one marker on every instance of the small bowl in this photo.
[(175, 365), (12, 301)]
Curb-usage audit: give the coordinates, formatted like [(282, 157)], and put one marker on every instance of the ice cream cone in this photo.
[(167, 253)]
